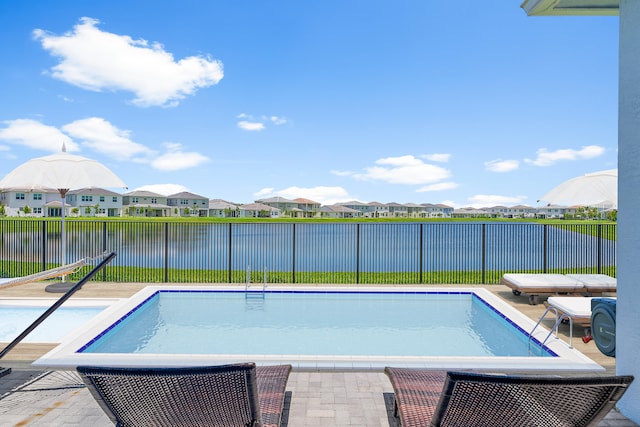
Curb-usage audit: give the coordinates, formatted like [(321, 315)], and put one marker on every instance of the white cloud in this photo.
[(487, 200), (321, 194), (265, 192), (548, 158), (103, 137), (500, 165), (440, 158), (176, 159), (97, 60), (250, 123), (250, 126), (164, 189), (278, 120), (403, 170), (442, 186), (33, 134)]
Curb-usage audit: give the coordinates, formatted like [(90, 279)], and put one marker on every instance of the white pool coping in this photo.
[(65, 355)]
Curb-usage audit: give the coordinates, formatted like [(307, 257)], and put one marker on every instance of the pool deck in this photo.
[(324, 398)]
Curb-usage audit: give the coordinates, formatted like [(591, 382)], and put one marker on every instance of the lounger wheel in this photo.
[(533, 299), (516, 292)]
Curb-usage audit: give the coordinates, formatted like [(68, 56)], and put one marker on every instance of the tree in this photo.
[(3, 212), (26, 210)]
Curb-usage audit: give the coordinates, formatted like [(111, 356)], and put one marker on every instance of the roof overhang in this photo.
[(571, 7)]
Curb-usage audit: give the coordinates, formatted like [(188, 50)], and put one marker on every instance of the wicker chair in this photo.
[(227, 395), (437, 398)]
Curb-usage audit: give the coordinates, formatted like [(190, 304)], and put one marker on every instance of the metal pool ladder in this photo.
[(559, 319), (255, 293)]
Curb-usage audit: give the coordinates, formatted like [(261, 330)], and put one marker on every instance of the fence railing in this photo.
[(367, 253)]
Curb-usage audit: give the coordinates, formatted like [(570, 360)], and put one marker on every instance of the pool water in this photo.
[(15, 319), (310, 323)]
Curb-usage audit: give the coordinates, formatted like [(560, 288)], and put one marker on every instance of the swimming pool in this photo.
[(316, 328), (16, 314)]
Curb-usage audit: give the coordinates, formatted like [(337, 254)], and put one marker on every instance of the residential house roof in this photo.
[(185, 195)]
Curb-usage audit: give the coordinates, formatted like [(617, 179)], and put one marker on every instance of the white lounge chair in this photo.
[(596, 283), (536, 284), (546, 283)]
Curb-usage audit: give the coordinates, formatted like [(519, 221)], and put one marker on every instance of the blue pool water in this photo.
[(15, 319), (314, 323)]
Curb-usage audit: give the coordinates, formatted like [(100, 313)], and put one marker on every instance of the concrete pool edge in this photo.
[(65, 356)]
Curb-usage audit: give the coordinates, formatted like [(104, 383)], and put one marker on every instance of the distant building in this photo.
[(188, 204), (338, 211), (219, 208), (309, 208), (145, 203), (27, 202), (258, 210), (94, 202)]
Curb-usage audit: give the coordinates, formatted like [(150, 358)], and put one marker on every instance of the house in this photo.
[(285, 206), (94, 202), (379, 210), (365, 209), (338, 211), (258, 210), (551, 211), (309, 208), (415, 210), (438, 210), (28, 202), (397, 210), (145, 203), (188, 204), (219, 208), (520, 211), (469, 213)]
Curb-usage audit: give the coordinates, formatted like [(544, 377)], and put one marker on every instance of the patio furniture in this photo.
[(577, 308), (63, 270), (226, 395), (437, 398), (596, 283), (535, 284)]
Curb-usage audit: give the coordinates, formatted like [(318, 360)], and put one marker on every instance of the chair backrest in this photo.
[(495, 400), (223, 395)]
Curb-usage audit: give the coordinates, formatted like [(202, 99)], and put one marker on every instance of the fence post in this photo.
[(44, 245), (544, 248), (230, 254), (166, 252), (358, 253), (599, 248), (293, 254), (421, 254), (484, 252), (104, 248)]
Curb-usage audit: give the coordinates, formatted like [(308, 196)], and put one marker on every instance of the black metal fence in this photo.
[(392, 253)]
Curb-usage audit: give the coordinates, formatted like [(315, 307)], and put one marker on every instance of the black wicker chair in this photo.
[(227, 395), (437, 398)]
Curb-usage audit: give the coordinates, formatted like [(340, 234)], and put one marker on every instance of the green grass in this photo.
[(157, 275)]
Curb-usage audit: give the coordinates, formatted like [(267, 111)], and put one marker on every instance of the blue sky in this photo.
[(392, 101)]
